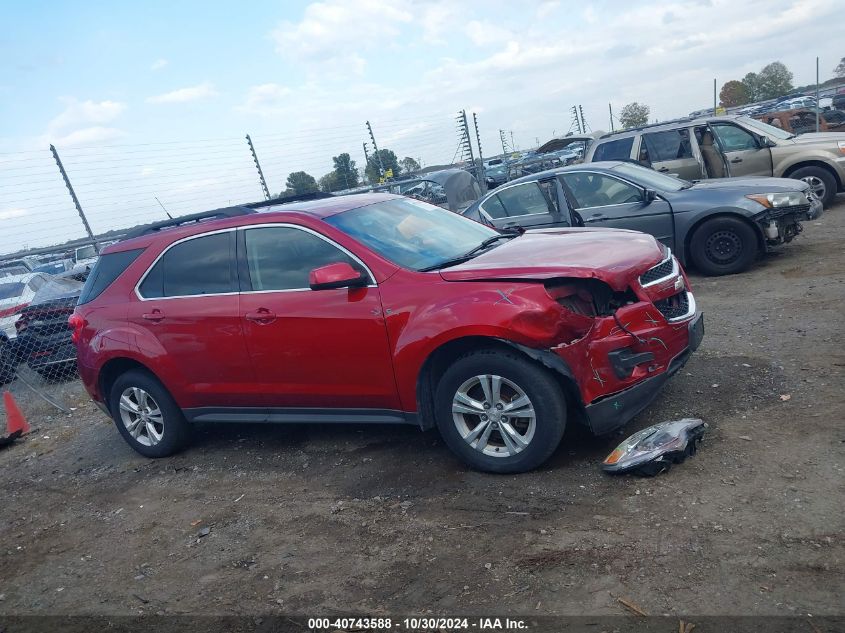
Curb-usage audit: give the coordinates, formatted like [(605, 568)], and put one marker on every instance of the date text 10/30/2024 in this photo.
[(418, 624)]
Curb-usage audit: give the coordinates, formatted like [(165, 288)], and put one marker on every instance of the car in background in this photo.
[(15, 268), (496, 175), (51, 268), (802, 121), (43, 336), (719, 147), (374, 308), (719, 226), (16, 292)]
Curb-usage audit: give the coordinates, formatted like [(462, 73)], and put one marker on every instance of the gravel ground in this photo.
[(379, 520)]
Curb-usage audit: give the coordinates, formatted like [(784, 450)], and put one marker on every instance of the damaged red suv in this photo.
[(378, 308)]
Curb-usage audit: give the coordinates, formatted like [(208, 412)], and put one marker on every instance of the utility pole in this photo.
[(576, 122), (817, 94), (504, 142), (610, 109), (482, 181), (375, 149), (75, 199), (258, 167), (583, 122), (513, 145), (466, 144)]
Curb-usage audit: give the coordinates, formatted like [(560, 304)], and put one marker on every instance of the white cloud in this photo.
[(266, 99), (84, 123), (159, 64), (337, 31), (8, 214), (204, 90), (486, 33), (94, 135)]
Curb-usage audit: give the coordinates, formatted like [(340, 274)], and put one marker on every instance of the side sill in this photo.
[(299, 415)]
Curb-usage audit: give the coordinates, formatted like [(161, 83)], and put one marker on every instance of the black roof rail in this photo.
[(216, 214), (297, 197)]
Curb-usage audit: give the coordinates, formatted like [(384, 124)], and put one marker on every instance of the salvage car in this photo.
[(719, 226), (803, 121), (16, 292), (43, 339), (723, 146), (381, 309)]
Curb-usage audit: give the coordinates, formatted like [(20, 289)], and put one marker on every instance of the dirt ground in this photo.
[(380, 520)]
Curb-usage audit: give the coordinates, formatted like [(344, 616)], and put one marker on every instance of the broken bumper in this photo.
[(611, 412)]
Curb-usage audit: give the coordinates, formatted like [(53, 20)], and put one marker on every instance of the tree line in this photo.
[(346, 174), (773, 81)]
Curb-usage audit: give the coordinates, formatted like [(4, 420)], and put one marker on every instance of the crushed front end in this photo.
[(637, 340)]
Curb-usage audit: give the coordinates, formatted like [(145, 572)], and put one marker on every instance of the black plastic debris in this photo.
[(654, 449)]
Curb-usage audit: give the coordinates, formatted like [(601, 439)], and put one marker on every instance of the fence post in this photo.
[(75, 199), (258, 167), (483, 181), (375, 150)]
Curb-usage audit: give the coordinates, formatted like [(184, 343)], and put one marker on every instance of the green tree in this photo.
[(409, 165), (388, 159), (751, 81), (300, 182), (775, 80), (839, 71), (345, 172), (634, 115), (733, 93), (328, 183)]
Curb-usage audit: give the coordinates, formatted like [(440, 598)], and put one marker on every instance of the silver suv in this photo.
[(727, 146)]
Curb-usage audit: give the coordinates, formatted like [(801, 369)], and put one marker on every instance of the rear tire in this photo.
[(147, 416), (723, 246), (499, 412), (821, 181)]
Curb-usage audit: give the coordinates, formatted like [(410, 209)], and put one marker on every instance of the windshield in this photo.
[(10, 290), (651, 179), (10, 271), (765, 129), (411, 233)]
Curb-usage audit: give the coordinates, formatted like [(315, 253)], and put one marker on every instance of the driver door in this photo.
[(311, 348), (530, 205), (607, 201), (743, 153)]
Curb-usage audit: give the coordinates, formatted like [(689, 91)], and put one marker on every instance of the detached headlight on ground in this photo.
[(784, 199), (655, 448)]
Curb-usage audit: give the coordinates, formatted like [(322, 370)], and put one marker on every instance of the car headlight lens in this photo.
[(775, 200)]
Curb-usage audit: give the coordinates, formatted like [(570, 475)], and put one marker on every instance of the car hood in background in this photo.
[(818, 137), (614, 256), (753, 184)]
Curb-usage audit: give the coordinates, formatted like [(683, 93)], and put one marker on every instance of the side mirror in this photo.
[(650, 195), (765, 141), (337, 275)]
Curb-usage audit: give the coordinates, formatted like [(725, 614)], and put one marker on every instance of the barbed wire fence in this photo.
[(44, 220)]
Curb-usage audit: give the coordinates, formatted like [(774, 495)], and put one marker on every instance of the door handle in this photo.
[(262, 316), (155, 316), (595, 218), (736, 160)]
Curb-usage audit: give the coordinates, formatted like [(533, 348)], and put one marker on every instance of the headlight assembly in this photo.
[(776, 200)]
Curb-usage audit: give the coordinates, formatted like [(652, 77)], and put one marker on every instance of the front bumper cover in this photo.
[(616, 410)]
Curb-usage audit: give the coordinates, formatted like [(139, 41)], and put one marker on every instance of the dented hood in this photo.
[(614, 256)]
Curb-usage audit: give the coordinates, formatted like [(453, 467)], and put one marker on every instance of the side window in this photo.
[(733, 138), (281, 258), (590, 189), (668, 145), (493, 207), (525, 199), (619, 149), (199, 266)]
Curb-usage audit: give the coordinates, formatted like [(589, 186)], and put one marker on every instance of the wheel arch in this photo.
[(440, 358), (113, 369), (758, 231), (787, 173)]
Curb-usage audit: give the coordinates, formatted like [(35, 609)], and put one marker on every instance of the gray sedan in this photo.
[(719, 226)]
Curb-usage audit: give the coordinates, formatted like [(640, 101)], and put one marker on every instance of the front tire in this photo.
[(821, 182), (723, 246), (499, 412), (147, 416)]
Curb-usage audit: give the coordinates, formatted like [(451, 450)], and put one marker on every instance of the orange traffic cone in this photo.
[(15, 422)]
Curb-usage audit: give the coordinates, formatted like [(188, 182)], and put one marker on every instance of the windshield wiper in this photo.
[(469, 254)]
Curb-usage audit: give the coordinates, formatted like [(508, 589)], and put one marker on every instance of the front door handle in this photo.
[(595, 218), (736, 160), (155, 316), (262, 316)]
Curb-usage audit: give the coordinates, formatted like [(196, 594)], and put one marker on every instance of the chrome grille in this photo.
[(674, 307), (664, 269)]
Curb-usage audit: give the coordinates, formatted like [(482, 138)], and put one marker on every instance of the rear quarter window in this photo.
[(105, 271), (620, 149)]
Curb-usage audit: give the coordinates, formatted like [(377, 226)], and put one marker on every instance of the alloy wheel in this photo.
[(494, 415), (141, 416), (817, 186)]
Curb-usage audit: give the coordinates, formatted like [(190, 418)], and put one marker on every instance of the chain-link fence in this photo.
[(59, 206)]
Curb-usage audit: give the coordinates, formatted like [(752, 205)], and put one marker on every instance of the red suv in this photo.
[(378, 308)]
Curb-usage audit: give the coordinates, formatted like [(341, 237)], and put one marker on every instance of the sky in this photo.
[(153, 100)]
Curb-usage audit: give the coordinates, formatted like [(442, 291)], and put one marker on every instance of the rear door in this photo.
[(311, 348), (533, 204), (744, 154), (670, 152), (604, 200), (189, 304)]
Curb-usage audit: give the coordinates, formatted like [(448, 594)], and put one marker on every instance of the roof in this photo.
[(237, 216), (670, 125), (604, 165)]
